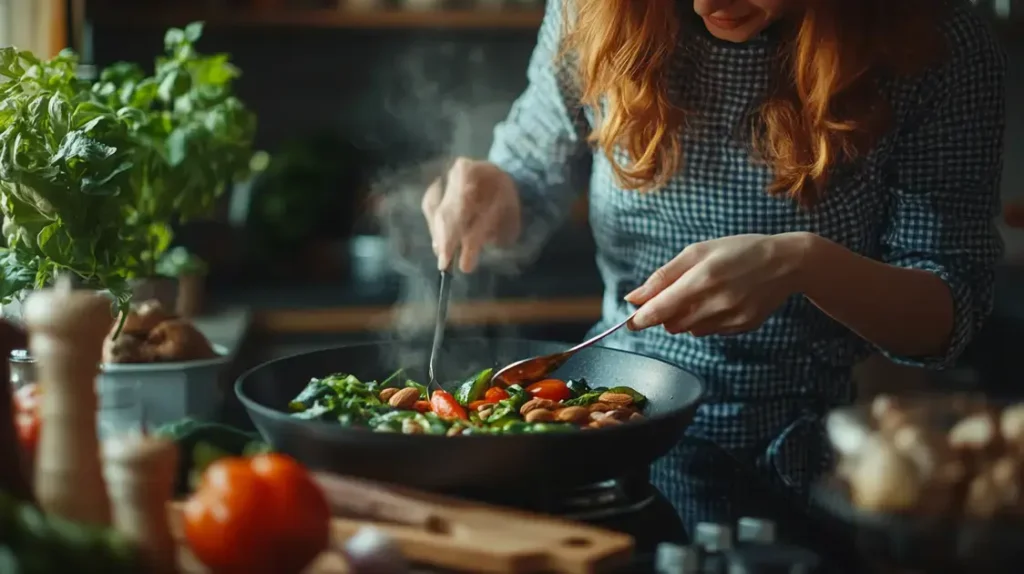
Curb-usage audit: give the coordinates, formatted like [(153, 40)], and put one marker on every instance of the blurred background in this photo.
[(362, 100)]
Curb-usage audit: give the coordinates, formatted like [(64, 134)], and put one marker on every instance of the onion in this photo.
[(371, 551)]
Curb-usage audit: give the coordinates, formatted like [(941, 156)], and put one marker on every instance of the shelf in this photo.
[(460, 314), (466, 19)]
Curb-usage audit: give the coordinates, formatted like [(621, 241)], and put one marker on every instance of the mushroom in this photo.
[(178, 340), (975, 433), (847, 432), (127, 348), (884, 480), (1011, 425), (144, 317)]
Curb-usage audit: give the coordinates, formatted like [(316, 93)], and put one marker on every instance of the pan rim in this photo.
[(252, 405)]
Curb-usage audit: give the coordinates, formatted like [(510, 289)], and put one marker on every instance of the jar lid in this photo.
[(21, 356)]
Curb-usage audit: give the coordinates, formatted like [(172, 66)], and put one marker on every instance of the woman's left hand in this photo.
[(723, 286)]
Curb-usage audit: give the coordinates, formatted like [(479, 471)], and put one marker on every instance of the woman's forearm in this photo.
[(904, 311)]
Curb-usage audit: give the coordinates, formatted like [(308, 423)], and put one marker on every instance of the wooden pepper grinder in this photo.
[(140, 472), (66, 330)]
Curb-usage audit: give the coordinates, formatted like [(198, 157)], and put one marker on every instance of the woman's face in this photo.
[(739, 20)]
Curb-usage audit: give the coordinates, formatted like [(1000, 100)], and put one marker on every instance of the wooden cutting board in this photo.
[(455, 534)]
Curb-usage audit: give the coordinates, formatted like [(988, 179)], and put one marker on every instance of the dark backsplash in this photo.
[(405, 95)]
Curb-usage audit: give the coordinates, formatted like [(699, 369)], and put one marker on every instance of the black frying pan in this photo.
[(473, 463)]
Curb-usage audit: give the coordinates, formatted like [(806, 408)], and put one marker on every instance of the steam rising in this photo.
[(469, 116)]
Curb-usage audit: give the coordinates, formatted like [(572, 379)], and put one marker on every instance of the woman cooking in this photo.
[(792, 184)]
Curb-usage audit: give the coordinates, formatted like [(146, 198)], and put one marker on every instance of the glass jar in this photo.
[(23, 368)]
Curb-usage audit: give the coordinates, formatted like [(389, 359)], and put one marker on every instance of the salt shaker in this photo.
[(66, 331), (751, 530), (715, 539), (675, 559), (140, 473)]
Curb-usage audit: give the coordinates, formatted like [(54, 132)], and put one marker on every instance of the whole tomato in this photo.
[(257, 515), (551, 389)]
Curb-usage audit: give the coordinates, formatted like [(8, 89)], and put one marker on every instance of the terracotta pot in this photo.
[(163, 289), (191, 291)]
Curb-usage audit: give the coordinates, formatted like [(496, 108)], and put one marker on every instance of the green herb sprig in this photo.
[(66, 167), (195, 137)]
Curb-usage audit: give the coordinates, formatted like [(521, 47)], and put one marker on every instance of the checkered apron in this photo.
[(925, 198)]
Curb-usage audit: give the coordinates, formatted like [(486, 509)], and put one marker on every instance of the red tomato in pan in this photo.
[(445, 406), (551, 389), (495, 394)]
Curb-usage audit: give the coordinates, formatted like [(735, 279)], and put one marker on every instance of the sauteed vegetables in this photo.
[(399, 404)]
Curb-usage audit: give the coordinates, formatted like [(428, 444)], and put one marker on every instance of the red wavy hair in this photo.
[(825, 109)]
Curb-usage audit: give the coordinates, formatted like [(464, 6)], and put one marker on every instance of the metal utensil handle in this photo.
[(443, 295), (603, 334)]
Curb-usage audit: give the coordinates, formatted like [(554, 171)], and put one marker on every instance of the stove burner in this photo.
[(593, 502), (605, 500)]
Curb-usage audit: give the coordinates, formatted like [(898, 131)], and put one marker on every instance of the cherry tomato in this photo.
[(495, 394), (422, 406), (477, 404), (27, 425), (446, 407), (259, 515), (551, 389)]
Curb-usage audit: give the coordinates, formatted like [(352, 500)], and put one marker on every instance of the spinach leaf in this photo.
[(507, 410), (585, 399), (409, 422), (473, 388), (577, 386), (313, 391)]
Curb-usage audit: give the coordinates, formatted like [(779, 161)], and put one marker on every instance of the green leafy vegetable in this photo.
[(66, 164), (93, 176), (578, 386), (587, 398), (351, 402), (193, 136), (178, 262), (34, 542), (202, 442), (507, 410), (473, 388)]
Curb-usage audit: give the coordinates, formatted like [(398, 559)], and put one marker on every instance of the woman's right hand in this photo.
[(478, 206)]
